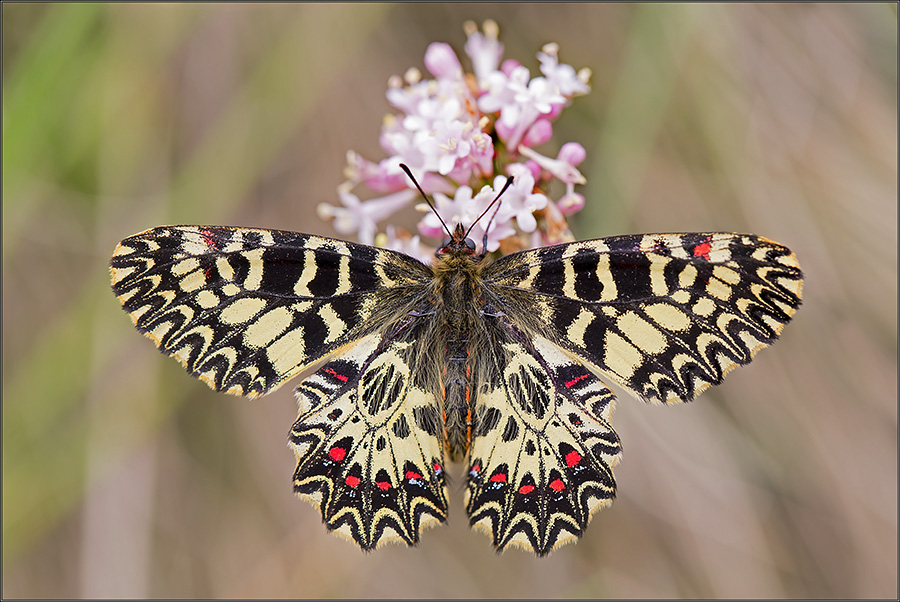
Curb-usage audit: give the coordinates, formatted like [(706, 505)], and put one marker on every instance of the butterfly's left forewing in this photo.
[(247, 309)]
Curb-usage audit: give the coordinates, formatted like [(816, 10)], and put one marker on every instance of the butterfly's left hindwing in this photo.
[(366, 444), (246, 309)]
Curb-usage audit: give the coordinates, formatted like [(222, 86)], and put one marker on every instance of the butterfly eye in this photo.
[(446, 242), (470, 244)]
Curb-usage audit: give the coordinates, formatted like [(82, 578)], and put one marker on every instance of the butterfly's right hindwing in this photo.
[(246, 309), (543, 449)]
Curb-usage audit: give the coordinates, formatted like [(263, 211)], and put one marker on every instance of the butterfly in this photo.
[(502, 364)]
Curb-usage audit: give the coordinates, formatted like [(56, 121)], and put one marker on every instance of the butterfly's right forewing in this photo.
[(663, 315)]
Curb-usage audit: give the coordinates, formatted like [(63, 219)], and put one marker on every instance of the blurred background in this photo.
[(123, 477)]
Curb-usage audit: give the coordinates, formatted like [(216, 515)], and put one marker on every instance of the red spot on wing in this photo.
[(383, 485), (702, 250), (352, 481), (331, 371), (209, 238), (572, 458), (569, 383), (476, 468), (498, 478), (337, 453), (437, 468), (413, 475), (557, 485), (526, 489)]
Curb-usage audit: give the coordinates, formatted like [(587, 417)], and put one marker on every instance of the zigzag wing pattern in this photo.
[(366, 442), (664, 315), (543, 449), (246, 309)]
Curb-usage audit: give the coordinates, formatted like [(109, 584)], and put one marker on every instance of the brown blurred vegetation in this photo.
[(124, 477)]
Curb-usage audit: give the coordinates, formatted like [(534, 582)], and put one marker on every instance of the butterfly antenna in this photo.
[(424, 196), (509, 182)]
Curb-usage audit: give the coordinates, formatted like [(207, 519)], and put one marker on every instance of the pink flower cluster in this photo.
[(462, 134)]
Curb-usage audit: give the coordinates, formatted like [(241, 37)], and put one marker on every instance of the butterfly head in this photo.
[(458, 243)]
